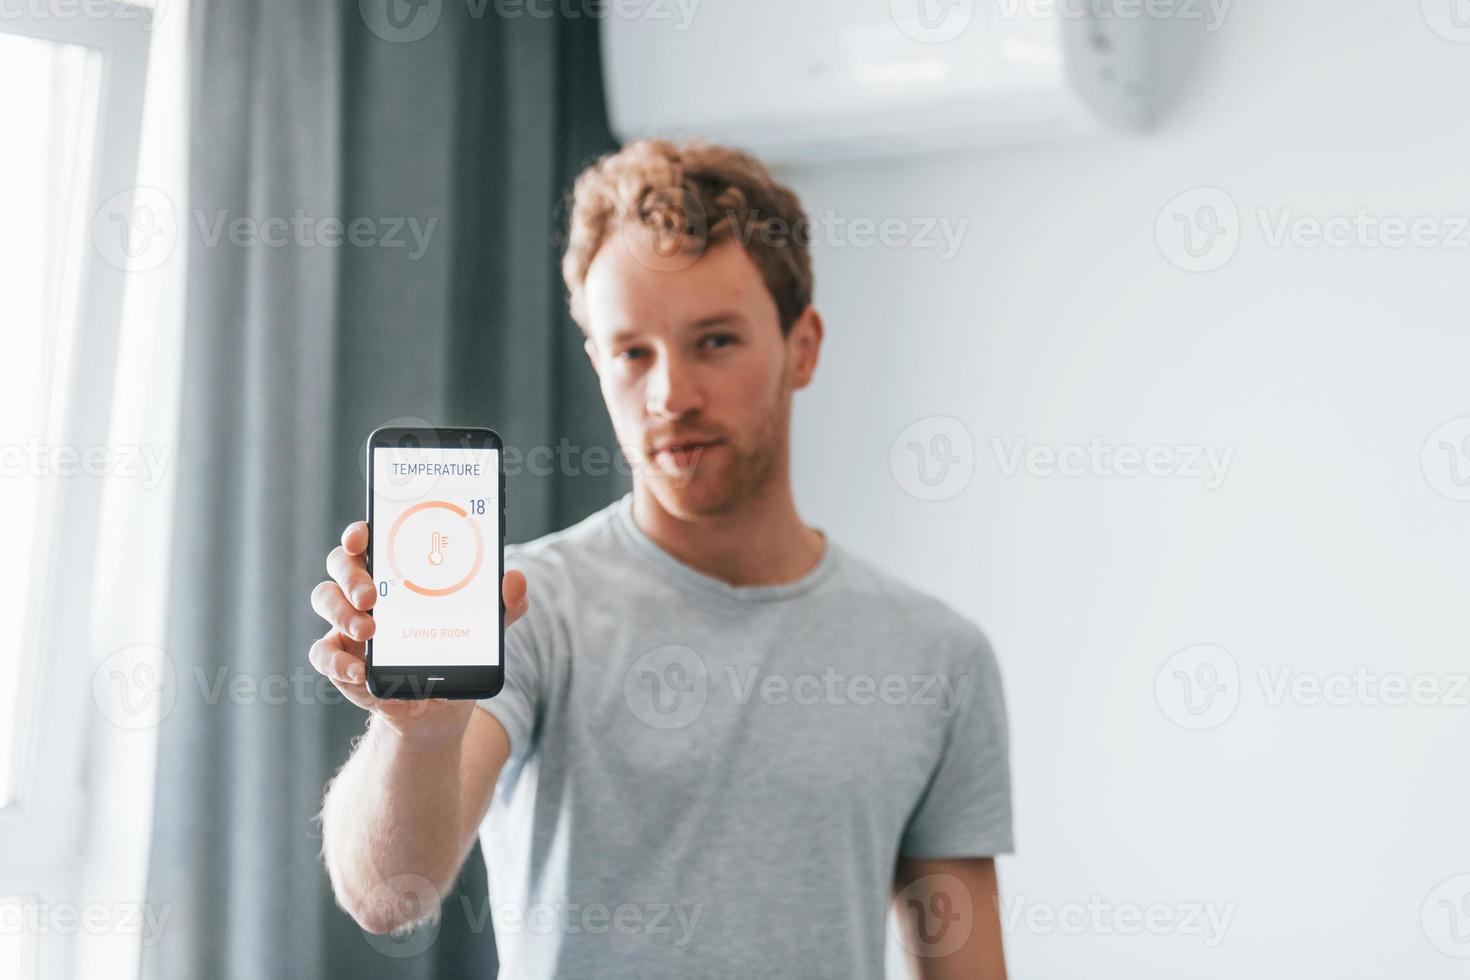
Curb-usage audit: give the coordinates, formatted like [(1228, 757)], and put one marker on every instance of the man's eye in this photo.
[(724, 339), (631, 353)]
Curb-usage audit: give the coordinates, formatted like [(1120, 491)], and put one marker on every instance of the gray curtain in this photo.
[(317, 114)]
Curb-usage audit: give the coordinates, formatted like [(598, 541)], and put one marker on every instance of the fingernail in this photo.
[(362, 597), (354, 672)]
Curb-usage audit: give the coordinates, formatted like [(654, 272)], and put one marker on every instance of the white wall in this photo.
[(1323, 830)]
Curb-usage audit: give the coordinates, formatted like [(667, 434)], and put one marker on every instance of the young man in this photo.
[(725, 743)]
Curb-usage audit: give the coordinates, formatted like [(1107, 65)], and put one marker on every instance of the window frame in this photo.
[(43, 827)]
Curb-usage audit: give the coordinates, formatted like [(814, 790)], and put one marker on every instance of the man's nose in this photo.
[(672, 389)]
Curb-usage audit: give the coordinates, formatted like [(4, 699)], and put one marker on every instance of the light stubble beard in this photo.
[(747, 473)]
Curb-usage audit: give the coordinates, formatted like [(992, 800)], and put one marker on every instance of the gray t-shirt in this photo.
[(710, 780)]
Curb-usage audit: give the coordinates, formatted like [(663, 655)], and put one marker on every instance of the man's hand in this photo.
[(343, 601), (949, 911)]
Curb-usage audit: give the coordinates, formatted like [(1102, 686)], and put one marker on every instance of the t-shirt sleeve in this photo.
[(965, 811), (528, 664)]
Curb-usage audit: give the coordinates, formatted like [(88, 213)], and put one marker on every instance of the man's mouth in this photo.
[(684, 454)]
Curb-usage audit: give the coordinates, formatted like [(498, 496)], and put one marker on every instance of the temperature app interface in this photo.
[(436, 558)]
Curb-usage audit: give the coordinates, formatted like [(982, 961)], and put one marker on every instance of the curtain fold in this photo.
[(372, 232)]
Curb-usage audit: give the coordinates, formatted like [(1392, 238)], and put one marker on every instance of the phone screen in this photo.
[(435, 556)]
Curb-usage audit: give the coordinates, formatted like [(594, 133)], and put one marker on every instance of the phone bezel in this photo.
[(454, 682)]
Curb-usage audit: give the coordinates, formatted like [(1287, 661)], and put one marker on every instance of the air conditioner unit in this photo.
[(797, 80)]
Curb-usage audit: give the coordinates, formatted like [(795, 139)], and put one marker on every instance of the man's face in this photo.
[(696, 373)]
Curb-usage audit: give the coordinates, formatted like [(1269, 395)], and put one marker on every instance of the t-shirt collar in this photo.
[(692, 578)]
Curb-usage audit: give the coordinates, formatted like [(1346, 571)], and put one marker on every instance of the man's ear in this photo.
[(806, 346), (591, 350)]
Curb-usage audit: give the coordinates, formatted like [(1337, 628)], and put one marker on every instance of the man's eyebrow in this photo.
[(717, 320), (723, 319)]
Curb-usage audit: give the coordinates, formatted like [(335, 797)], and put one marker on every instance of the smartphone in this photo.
[(436, 552)]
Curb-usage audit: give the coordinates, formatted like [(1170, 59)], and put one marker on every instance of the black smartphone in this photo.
[(436, 552)]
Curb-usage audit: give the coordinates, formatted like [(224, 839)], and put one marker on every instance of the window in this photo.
[(84, 297)]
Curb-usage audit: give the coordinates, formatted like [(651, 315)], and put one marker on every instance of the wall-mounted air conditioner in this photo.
[(798, 80)]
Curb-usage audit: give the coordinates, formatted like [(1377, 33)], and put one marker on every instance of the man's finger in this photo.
[(350, 572), (355, 537), (330, 604), (333, 661), (515, 594)]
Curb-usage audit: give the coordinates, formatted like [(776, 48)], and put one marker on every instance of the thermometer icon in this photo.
[(437, 542), (436, 549)]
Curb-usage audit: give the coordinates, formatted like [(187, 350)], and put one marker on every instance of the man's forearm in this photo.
[(393, 827)]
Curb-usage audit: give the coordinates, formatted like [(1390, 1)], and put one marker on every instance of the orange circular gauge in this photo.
[(436, 547)]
